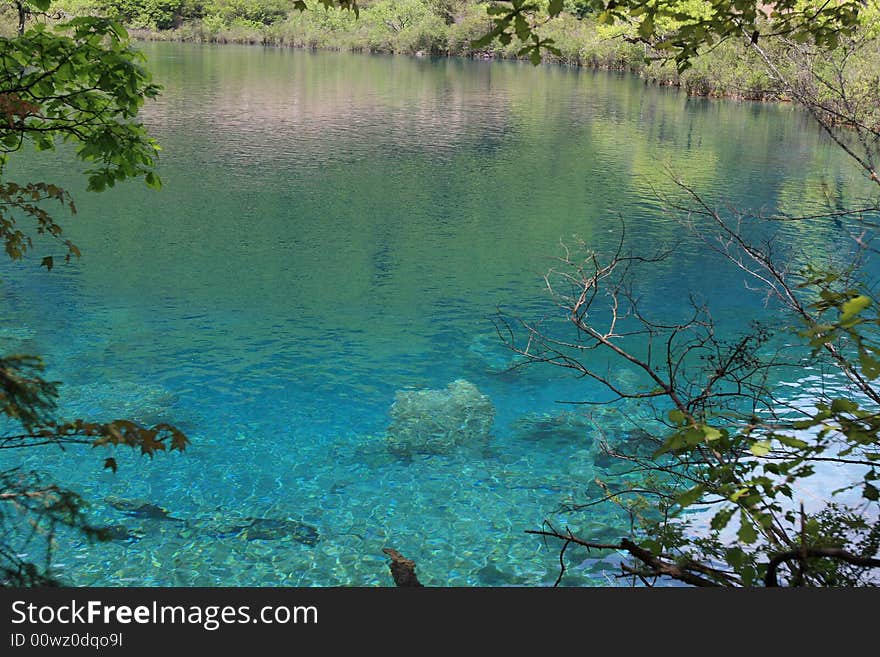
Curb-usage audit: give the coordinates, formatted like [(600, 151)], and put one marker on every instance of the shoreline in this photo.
[(649, 74)]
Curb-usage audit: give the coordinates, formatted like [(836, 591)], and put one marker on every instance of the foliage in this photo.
[(86, 88), (149, 14), (455, 27), (79, 83), (398, 15), (157, 14), (264, 12), (682, 27)]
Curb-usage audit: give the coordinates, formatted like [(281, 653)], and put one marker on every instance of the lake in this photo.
[(335, 228)]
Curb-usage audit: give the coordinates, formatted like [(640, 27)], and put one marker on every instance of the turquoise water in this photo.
[(336, 228)]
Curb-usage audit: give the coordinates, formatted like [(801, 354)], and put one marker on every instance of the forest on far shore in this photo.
[(431, 28)]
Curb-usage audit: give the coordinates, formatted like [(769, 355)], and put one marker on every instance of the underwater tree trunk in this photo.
[(403, 570)]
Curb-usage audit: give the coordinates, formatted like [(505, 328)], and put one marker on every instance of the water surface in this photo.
[(334, 228)]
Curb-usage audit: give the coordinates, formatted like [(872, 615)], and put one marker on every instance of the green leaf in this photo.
[(870, 365), (674, 442), (790, 441), (153, 181), (555, 7), (760, 448), (646, 27), (735, 557), (677, 417), (691, 496), (843, 406), (870, 492), (720, 519), (693, 436), (853, 307), (522, 28), (118, 30), (738, 494), (484, 40), (746, 533)]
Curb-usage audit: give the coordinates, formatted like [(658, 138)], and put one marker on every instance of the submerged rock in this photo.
[(486, 352), (491, 575), (636, 442), (120, 533), (250, 529), (109, 400), (268, 529), (141, 509), (566, 427), (628, 380), (438, 421)]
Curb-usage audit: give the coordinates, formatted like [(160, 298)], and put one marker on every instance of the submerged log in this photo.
[(403, 570)]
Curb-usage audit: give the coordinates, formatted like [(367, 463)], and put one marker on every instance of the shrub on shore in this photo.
[(425, 27)]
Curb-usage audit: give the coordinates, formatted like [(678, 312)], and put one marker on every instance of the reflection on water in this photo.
[(335, 228)]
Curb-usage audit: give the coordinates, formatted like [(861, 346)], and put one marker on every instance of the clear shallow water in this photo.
[(334, 228)]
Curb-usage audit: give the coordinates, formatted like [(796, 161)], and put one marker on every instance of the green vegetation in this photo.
[(580, 34)]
